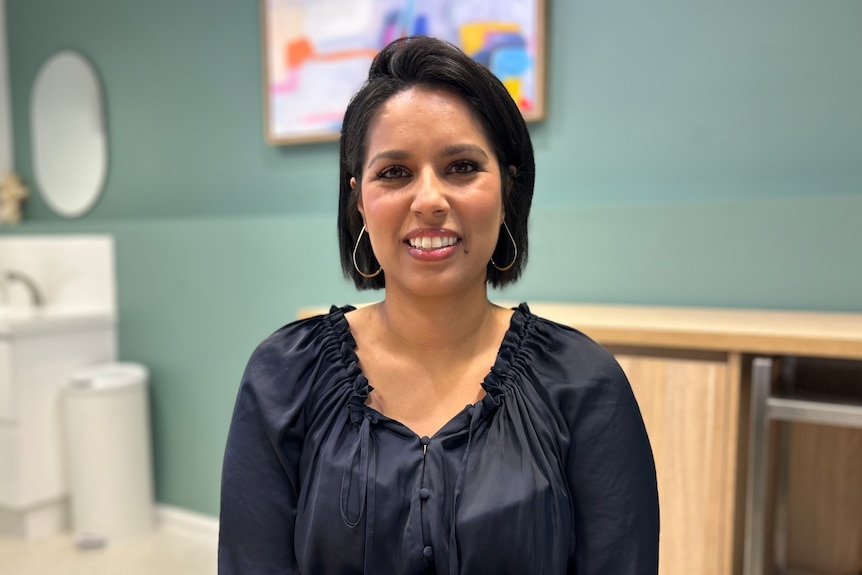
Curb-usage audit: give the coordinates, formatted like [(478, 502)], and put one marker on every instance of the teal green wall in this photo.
[(694, 154)]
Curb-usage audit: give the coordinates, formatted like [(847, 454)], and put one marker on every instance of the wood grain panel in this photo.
[(825, 500), (728, 330), (690, 416)]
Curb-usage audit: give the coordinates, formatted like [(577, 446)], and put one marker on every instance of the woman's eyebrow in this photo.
[(456, 149), (389, 155), (448, 151)]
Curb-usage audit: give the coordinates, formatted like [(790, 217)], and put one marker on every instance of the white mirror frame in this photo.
[(69, 139)]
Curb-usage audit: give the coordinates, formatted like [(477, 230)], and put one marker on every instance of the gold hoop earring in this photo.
[(514, 259), (355, 265)]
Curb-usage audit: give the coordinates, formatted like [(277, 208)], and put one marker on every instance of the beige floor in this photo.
[(167, 551)]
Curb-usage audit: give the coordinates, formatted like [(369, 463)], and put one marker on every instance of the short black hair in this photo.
[(433, 63)]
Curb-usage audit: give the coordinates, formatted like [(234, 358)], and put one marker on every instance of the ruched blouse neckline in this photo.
[(496, 384)]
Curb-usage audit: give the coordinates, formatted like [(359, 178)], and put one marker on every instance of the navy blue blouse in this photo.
[(551, 472)]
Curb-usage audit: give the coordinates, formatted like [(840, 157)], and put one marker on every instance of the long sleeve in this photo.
[(260, 474), (611, 474)]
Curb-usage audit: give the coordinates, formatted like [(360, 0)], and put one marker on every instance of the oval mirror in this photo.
[(70, 145)]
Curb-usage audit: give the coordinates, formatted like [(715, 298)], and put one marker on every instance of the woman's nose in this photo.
[(430, 196)]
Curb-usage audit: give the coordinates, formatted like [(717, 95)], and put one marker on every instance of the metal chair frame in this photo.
[(783, 408)]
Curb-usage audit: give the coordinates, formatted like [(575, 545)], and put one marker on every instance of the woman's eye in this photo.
[(392, 173), (463, 167)]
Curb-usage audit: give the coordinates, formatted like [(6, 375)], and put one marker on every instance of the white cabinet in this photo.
[(41, 347), (34, 366)]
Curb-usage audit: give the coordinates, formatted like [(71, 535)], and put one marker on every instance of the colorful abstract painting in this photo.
[(317, 53)]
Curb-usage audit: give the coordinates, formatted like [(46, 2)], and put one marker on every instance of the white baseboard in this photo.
[(177, 518)]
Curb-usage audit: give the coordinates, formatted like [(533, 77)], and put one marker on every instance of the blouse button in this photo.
[(424, 493), (428, 552), (425, 440)]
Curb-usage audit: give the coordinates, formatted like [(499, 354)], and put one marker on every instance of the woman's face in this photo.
[(431, 194)]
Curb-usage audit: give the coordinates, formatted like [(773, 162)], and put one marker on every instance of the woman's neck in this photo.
[(451, 325)]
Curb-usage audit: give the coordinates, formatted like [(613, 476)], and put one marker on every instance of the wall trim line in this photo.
[(177, 518)]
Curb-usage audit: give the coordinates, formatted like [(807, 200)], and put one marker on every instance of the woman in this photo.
[(435, 432)]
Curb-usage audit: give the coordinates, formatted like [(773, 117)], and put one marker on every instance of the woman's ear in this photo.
[(358, 198)]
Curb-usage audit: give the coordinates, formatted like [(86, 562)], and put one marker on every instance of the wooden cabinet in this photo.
[(690, 407)]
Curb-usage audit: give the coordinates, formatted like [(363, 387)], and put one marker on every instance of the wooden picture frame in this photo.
[(316, 53)]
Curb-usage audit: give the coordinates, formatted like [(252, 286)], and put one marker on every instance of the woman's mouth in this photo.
[(432, 246), (432, 243)]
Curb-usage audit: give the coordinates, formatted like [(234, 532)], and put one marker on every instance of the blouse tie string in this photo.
[(362, 448), (454, 563)]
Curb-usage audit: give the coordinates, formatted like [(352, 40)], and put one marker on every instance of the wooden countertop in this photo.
[(837, 335), (817, 334)]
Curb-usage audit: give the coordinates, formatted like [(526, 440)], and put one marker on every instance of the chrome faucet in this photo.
[(14, 276)]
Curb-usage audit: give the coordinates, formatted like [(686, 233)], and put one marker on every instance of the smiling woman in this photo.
[(435, 432), (473, 98), (432, 209)]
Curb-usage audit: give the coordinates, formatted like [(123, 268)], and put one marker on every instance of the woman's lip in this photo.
[(432, 254)]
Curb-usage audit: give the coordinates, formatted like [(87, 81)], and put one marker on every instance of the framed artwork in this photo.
[(317, 53)]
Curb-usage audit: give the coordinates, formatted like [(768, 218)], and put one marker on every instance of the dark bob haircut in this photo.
[(433, 63)]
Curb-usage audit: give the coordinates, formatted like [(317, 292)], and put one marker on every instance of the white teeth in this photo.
[(426, 243)]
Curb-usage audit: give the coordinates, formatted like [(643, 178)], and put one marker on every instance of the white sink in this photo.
[(19, 322)]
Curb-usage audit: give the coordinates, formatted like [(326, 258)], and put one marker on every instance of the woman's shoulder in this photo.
[(542, 333), (305, 350), (579, 379), (307, 334), (564, 356)]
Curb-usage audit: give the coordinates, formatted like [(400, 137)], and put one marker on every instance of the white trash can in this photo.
[(108, 453)]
